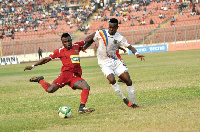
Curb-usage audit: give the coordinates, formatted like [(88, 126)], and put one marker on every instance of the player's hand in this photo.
[(141, 57), (83, 50), (28, 68), (124, 50)]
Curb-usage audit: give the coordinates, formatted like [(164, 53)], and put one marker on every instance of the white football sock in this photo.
[(118, 90), (131, 93)]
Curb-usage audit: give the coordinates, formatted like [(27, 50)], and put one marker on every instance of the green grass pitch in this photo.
[(167, 87)]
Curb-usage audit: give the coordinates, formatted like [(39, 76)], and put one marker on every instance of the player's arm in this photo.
[(122, 49), (134, 51), (89, 40), (40, 62), (92, 37)]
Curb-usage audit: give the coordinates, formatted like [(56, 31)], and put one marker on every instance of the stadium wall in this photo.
[(167, 47), (184, 46), (6, 60)]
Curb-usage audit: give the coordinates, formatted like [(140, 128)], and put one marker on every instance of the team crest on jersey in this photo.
[(76, 50), (75, 58), (115, 41)]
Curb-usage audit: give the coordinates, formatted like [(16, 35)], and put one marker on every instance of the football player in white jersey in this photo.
[(109, 41)]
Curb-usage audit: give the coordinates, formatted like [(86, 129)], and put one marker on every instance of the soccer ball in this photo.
[(64, 112)]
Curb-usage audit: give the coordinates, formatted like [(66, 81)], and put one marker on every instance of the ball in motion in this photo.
[(64, 112)]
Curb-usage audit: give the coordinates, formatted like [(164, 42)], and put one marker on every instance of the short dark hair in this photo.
[(65, 35), (113, 20)]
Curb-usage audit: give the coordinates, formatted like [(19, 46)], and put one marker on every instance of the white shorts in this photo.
[(113, 67)]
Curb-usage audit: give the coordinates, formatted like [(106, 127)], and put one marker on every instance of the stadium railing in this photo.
[(144, 37)]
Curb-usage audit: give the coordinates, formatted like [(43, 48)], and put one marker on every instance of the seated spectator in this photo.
[(30, 29), (132, 24), (145, 9), (117, 13), (87, 27), (143, 22), (55, 26), (50, 26), (190, 5), (99, 17), (129, 17), (7, 34), (170, 6), (124, 13), (35, 28), (193, 13), (21, 29), (198, 12), (44, 27), (125, 19), (120, 22), (156, 8), (82, 28), (138, 19), (151, 21), (13, 31), (160, 16), (1, 36), (164, 8), (166, 3), (95, 17), (164, 16), (16, 29), (71, 25), (133, 17), (68, 23), (105, 18), (150, 12), (121, 12), (144, 13), (175, 7), (173, 19)]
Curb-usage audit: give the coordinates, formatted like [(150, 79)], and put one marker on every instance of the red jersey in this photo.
[(70, 58)]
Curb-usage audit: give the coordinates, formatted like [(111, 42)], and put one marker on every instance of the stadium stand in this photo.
[(25, 23)]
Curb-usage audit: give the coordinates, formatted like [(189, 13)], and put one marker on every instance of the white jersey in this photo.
[(108, 44)]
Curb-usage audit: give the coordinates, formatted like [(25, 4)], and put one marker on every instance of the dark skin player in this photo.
[(71, 71), (67, 43), (109, 38), (112, 29)]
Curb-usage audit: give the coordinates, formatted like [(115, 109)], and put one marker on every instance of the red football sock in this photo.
[(44, 84), (84, 96)]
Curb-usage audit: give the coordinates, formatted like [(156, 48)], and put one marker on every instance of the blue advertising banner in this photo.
[(150, 49)]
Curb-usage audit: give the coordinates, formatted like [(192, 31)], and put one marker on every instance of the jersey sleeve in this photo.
[(80, 44), (97, 36), (124, 42), (55, 54)]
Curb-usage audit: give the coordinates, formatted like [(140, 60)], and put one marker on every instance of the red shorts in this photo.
[(67, 78)]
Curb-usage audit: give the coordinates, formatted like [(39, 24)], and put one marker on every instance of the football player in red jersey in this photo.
[(70, 72)]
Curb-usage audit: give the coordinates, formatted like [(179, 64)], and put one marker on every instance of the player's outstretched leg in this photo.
[(130, 104), (36, 79), (40, 80), (83, 109)]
